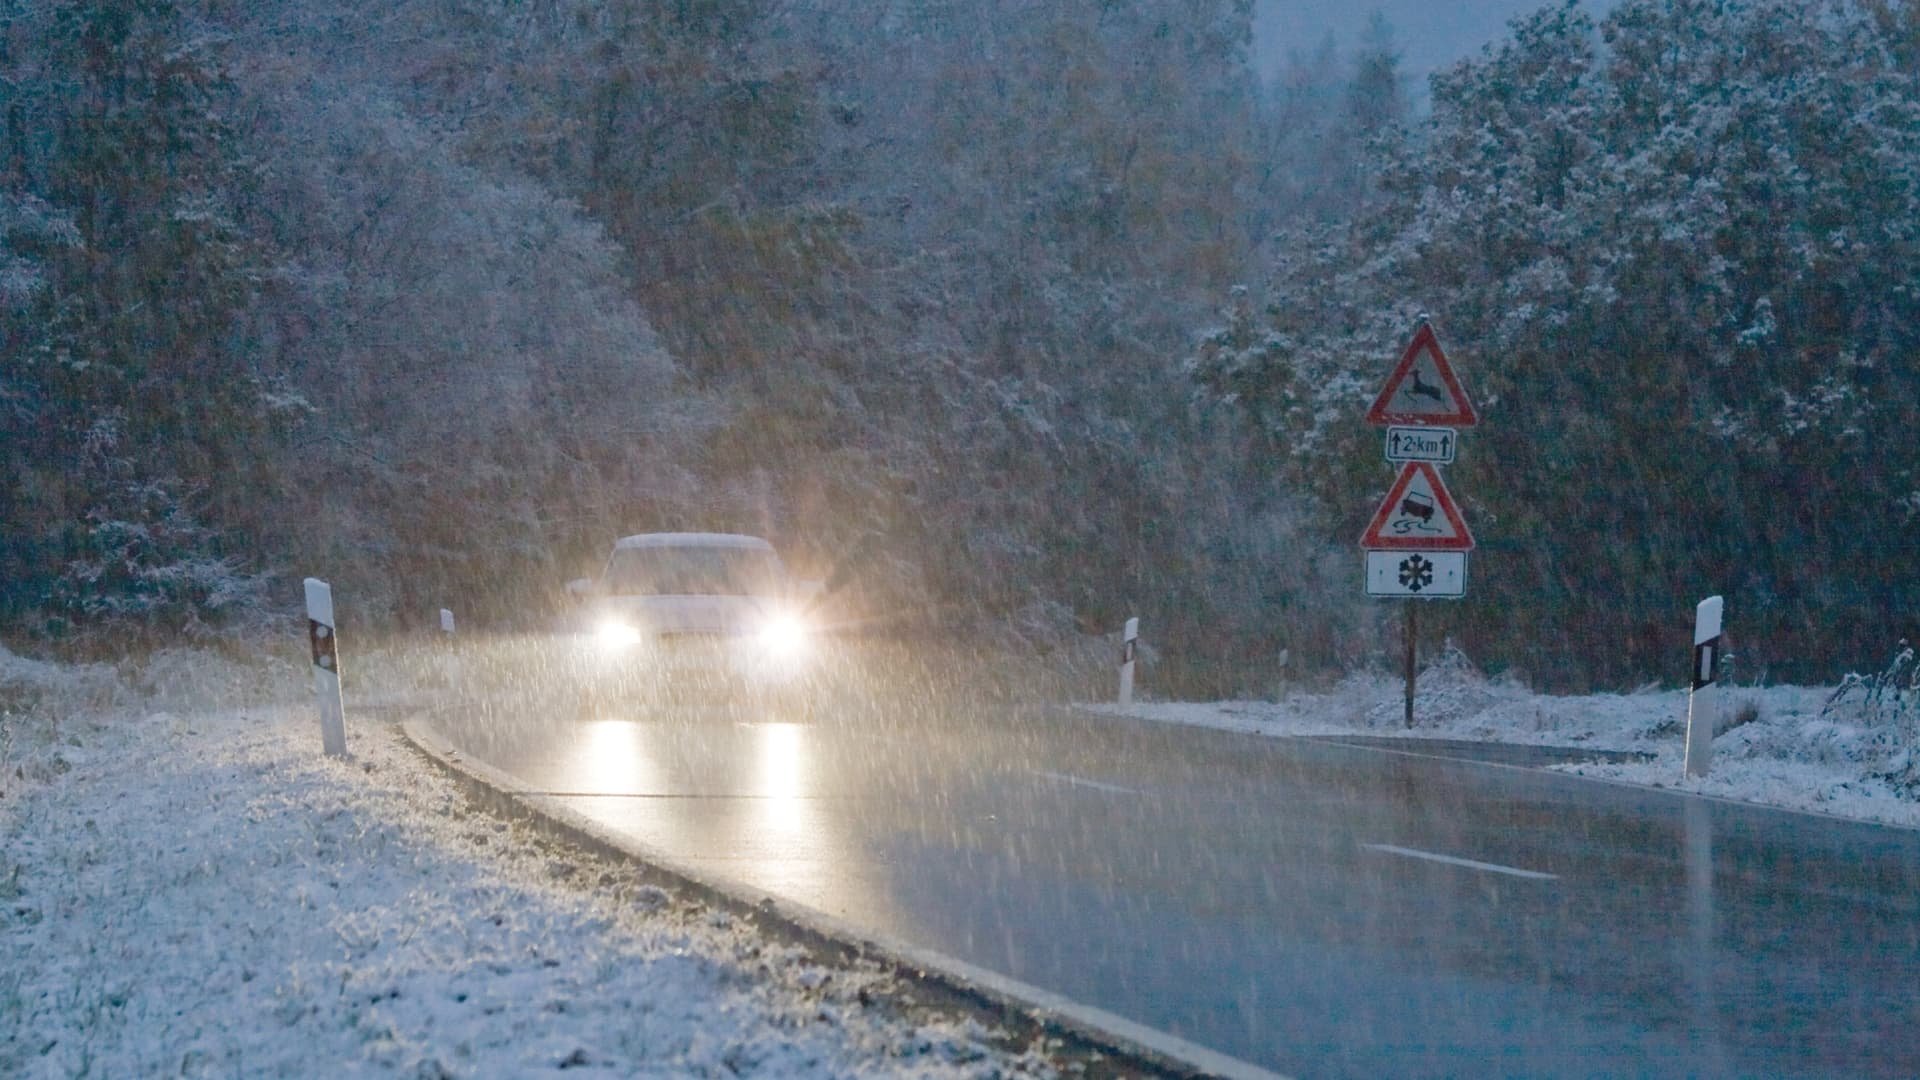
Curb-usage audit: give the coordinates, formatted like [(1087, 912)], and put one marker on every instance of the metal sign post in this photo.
[(326, 668), (1413, 636)]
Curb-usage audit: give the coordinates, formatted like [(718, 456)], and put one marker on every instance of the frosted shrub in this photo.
[(1450, 688), (1887, 704)]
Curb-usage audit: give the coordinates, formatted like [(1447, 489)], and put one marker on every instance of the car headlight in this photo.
[(784, 637), (613, 635)]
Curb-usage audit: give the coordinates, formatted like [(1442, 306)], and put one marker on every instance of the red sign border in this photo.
[(1423, 338), (1371, 540)]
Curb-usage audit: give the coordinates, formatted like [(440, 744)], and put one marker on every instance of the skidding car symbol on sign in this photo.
[(1418, 514)]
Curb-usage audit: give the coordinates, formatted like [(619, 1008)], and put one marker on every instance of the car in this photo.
[(702, 616)]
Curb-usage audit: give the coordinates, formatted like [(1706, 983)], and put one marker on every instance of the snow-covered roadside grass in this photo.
[(188, 888), (1778, 746)]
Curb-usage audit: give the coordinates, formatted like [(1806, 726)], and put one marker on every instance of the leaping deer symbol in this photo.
[(1426, 390)]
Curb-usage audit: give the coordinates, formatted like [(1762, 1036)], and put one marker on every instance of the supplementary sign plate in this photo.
[(1418, 514), (1417, 575), (1435, 444), (1423, 389)]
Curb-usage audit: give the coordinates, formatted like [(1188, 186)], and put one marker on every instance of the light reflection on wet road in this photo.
[(1311, 907)]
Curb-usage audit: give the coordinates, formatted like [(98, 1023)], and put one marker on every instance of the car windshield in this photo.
[(692, 571)]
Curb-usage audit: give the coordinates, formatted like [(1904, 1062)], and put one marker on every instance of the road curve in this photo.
[(1314, 908)]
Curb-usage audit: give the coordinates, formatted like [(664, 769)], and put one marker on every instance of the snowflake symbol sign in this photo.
[(1416, 572)]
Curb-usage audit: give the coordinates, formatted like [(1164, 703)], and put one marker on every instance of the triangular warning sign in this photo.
[(1418, 515), (1423, 388)]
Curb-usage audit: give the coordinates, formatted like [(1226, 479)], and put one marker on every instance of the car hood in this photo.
[(690, 614)]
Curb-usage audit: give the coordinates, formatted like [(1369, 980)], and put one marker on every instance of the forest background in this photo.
[(1023, 317)]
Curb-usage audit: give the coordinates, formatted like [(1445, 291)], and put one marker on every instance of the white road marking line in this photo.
[(1469, 863), (1078, 782)]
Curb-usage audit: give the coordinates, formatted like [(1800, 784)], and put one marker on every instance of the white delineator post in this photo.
[(1703, 705), (1128, 638), (446, 621), (326, 668)]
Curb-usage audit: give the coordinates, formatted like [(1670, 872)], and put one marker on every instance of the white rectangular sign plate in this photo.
[(1431, 444), (1417, 575)]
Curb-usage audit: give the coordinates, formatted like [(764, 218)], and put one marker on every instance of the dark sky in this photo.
[(1430, 33)]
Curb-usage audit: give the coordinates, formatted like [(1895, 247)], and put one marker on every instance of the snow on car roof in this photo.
[(734, 540)]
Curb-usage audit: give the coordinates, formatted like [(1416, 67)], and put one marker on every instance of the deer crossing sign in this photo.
[(1423, 389)]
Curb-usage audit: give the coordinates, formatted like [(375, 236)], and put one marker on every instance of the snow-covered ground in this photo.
[(1778, 745), (188, 888)]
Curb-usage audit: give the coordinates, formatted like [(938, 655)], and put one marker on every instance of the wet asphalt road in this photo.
[(1312, 907)]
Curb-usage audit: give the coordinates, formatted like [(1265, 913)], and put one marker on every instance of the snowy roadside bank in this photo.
[(1776, 747), (195, 891)]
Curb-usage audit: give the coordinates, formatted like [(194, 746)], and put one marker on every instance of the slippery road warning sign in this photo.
[(1418, 514), (1423, 388)]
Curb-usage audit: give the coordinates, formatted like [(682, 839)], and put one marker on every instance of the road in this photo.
[(1315, 908)]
